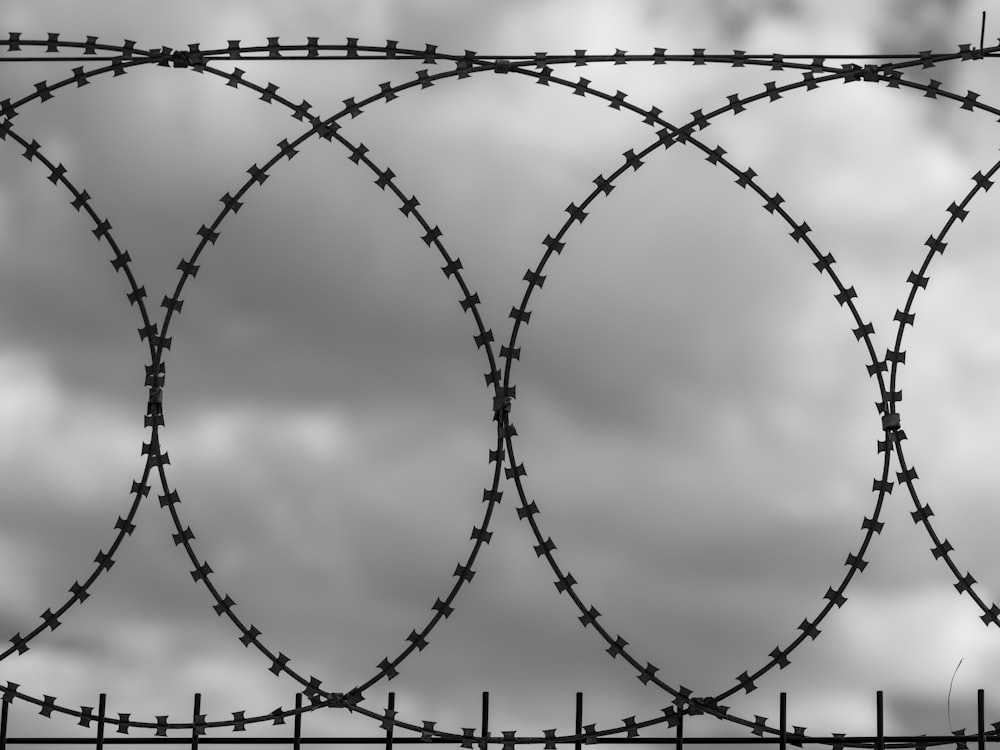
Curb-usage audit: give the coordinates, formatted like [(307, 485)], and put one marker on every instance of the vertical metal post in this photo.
[(879, 721), (194, 720), (579, 720), (390, 705), (297, 722), (782, 718), (486, 721), (102, 702), (981, 710), (3, 724), (679, 742)]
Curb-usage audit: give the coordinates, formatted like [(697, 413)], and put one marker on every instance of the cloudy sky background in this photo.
[(693, 411)]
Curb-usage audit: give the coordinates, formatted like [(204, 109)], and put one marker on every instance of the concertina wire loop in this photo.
[(814, 74), (175, 295)]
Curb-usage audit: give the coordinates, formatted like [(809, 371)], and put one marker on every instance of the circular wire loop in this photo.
[(126, 56)]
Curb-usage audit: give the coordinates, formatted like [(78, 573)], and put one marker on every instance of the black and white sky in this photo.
[(692, 408)]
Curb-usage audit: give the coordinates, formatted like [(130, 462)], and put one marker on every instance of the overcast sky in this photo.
[(693, 411)]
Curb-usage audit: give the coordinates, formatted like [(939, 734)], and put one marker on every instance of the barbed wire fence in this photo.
[(114, 60)]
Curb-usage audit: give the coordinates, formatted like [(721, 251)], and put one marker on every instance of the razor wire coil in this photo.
[(540, 67)]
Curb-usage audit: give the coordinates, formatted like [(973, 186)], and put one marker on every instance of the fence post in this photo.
[(484, 745), (679, 741), (879, 724), (390, 704), (194, 721), (579, 720), (3, 725), (981, 710), (297, 723), (102, 702)]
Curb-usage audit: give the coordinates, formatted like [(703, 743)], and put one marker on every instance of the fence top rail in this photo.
[(57, 49)]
